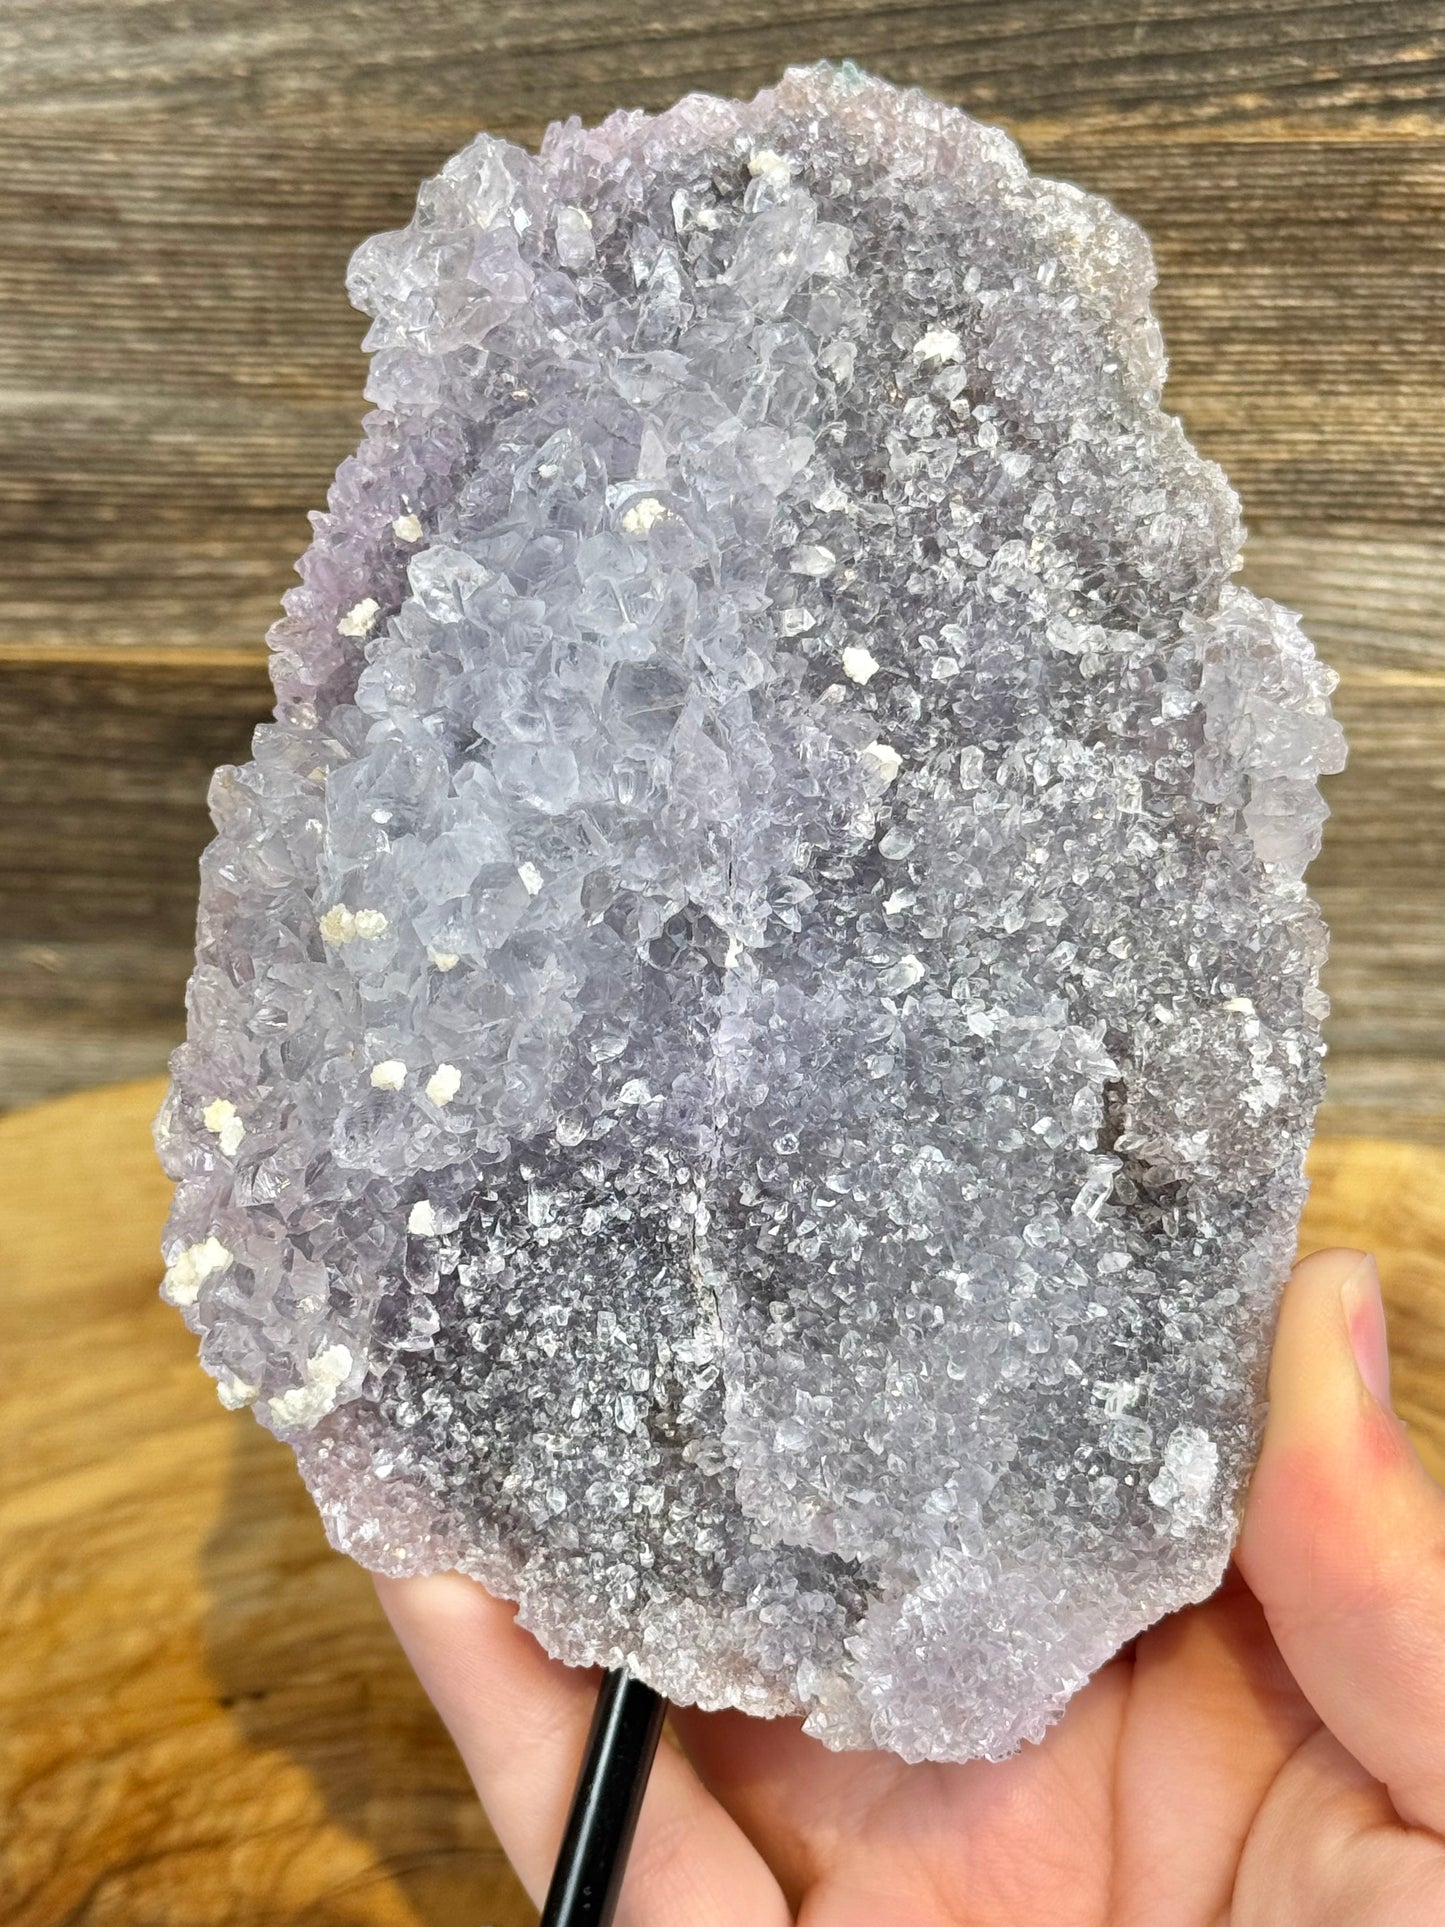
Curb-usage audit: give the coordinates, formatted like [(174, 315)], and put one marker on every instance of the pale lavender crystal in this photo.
[(756, 1018)]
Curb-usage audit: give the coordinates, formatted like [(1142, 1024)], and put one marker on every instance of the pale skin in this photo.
[(1272, 1758)]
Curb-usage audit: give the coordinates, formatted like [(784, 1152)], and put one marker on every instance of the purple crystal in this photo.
[(756, 1019)]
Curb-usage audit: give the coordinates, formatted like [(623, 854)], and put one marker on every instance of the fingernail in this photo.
[(1365, 1321)]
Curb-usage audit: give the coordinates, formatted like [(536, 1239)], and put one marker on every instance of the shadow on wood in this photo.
[(306, 1668), (206, 1720)]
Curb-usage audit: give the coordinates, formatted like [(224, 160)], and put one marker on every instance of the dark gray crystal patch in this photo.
[(756, 1019)]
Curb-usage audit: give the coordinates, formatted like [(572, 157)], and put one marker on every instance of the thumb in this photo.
[(1344, 1537)]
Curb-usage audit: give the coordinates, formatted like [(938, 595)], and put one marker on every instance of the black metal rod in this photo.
[(615, 1764)]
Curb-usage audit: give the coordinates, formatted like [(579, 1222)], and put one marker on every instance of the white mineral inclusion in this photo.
[(221, 1117), (642, 516), (189, 1269), (767, 163), (883, 759), (823, 1253), (316, 1395), (443, 1084), (340, 925), (358, 619), (938, 345)]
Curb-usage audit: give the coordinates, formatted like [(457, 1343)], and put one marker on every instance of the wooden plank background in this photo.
[(181, 185)]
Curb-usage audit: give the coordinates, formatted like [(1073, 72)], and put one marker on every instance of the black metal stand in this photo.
[(615, 1765)]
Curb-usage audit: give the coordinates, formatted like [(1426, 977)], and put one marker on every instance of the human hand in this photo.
[(1272, 1758)]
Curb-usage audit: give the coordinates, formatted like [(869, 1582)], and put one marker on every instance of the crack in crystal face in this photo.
[(756, 1016)]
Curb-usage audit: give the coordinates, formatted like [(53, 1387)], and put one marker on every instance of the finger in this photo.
[(520, 1722), (806, 1807), (1209, 1688), (516, 1716), (1344, 1537), (1327, 1850), (836, 1823)]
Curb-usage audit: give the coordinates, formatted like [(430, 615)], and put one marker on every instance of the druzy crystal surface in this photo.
[(756, 1017)]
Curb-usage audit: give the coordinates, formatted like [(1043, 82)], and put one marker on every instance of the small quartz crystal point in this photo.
[(756, 1020)]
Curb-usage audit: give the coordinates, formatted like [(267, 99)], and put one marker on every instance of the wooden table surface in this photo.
[(181, 185), (204, 1721)]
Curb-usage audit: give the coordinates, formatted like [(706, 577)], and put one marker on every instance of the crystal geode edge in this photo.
[(756, 1019)]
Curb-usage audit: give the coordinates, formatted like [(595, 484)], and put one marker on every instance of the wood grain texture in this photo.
[(180, 187), (204, 1721)]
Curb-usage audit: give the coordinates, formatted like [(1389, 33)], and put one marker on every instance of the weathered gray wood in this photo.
[(369, 62), (180, 372)]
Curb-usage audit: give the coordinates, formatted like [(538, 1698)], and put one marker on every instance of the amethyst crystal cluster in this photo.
[(756, 1018)]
